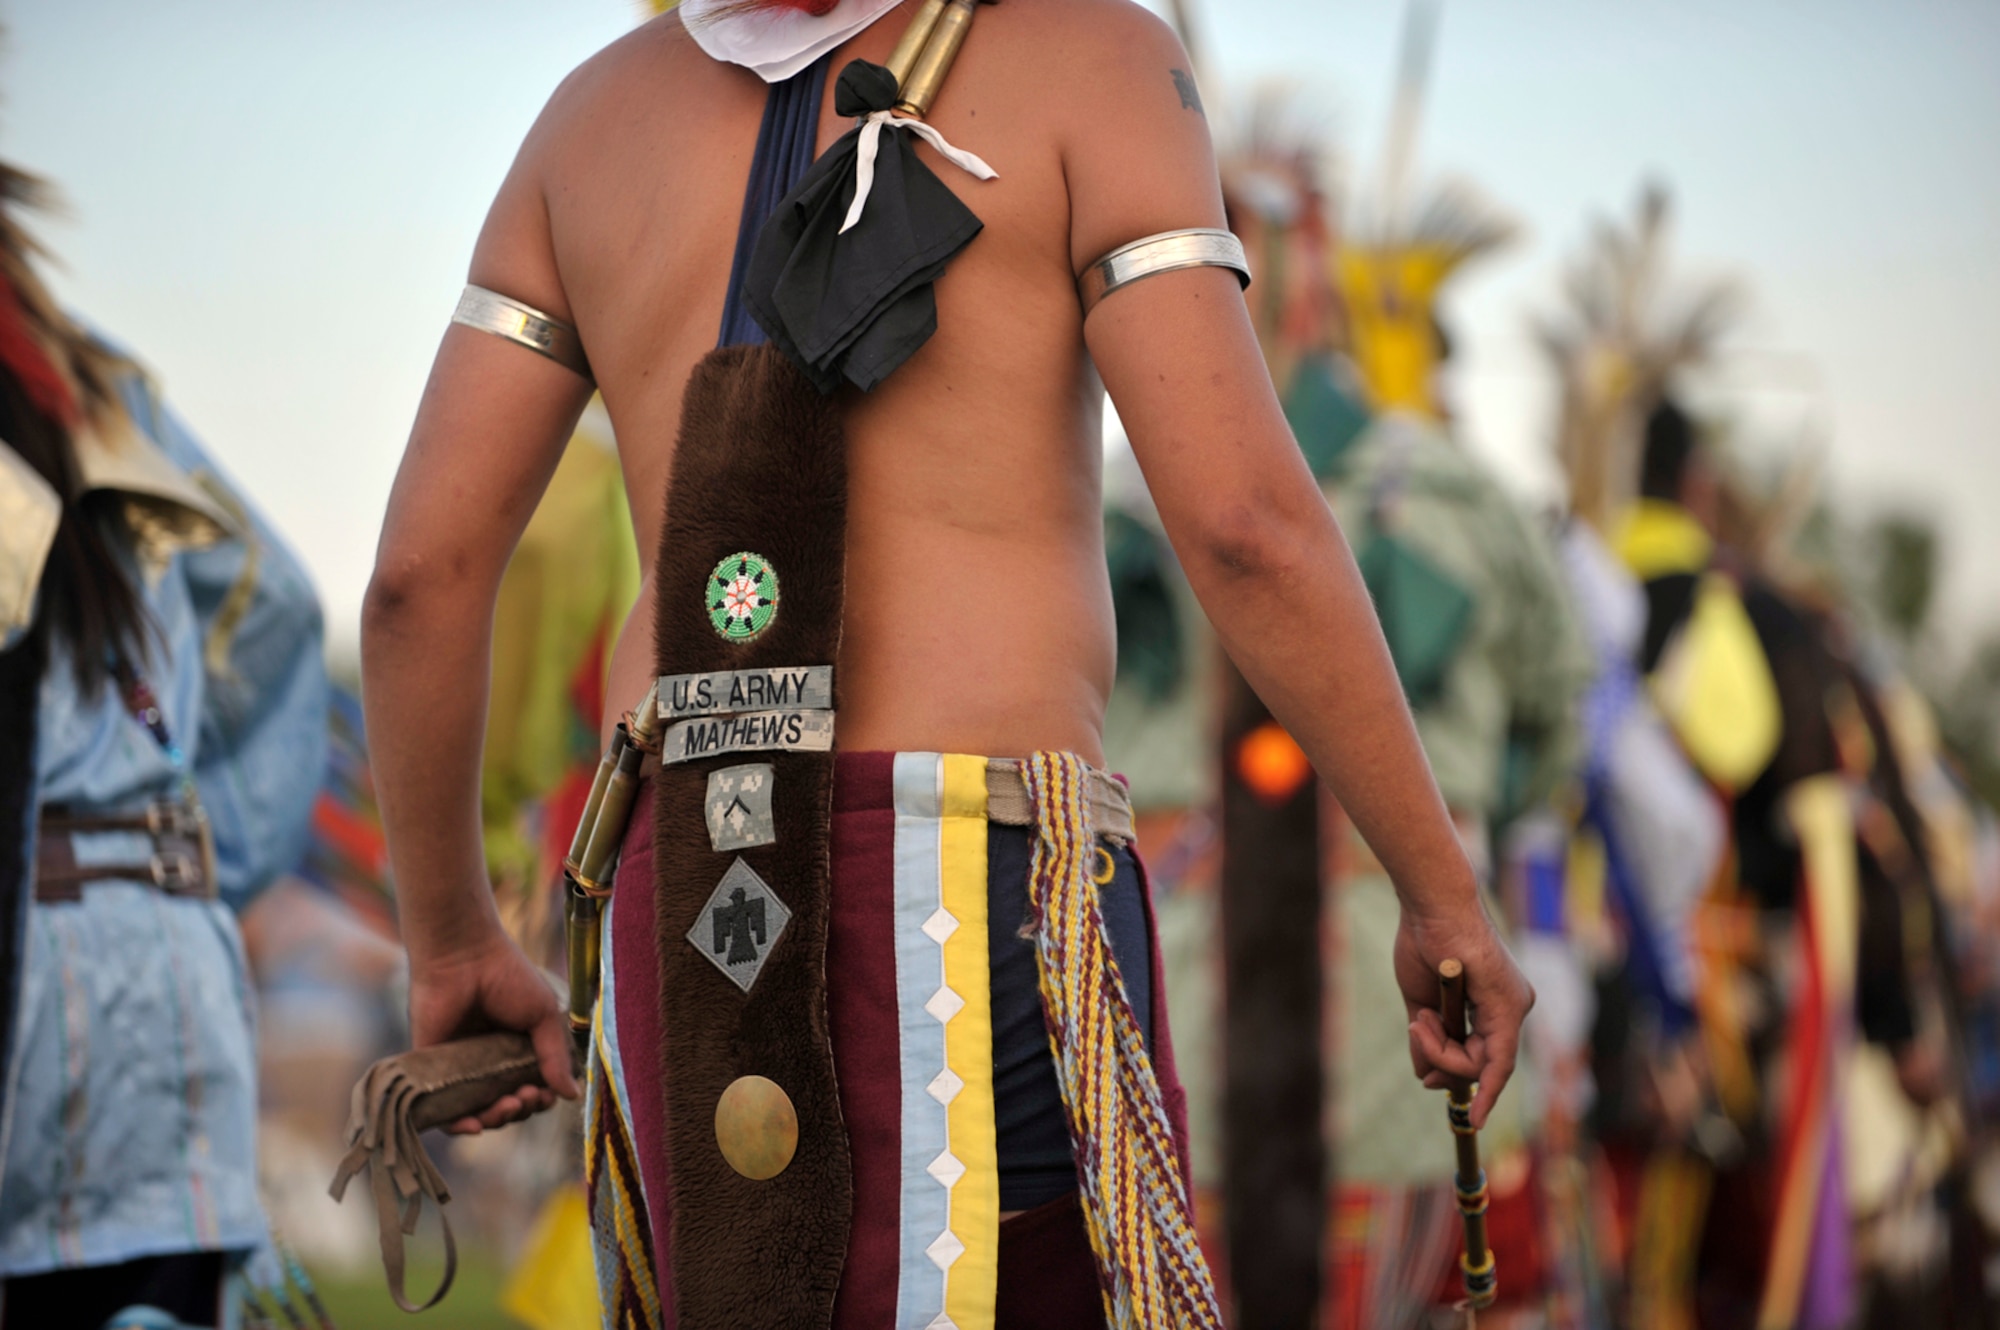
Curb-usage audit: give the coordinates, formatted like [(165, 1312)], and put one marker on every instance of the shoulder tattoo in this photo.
[(1190, 95)]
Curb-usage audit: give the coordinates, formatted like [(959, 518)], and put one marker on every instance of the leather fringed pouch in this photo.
[(400, 1098)]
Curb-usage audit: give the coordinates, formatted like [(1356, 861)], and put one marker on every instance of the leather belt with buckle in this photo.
[(182, 862)]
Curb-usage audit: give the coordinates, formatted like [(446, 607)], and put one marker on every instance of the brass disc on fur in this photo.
[(756, 1127)]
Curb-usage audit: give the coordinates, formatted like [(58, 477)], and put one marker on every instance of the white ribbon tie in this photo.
[(871, 141)]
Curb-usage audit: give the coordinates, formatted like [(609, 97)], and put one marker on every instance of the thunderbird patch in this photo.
[(740, 924)]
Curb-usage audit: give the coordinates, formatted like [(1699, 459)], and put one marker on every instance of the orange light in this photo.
[(1271, 763)]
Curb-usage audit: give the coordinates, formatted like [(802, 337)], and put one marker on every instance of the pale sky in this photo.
[(273, 202)]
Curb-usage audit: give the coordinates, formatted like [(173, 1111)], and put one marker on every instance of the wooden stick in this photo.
[(1476, 1265)]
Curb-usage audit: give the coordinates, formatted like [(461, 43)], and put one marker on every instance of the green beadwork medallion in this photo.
[(742, 596)]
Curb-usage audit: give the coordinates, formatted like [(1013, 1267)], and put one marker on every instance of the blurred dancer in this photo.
[(164, 734), (1828, 856), (1648, 837)]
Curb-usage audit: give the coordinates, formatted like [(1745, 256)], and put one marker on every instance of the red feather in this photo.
[(21, 353)]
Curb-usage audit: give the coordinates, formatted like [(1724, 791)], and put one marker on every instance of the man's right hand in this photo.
[(492, 985), (1499, 995)]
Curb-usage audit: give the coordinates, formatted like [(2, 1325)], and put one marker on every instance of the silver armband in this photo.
[(491, 312), (1169, 251)]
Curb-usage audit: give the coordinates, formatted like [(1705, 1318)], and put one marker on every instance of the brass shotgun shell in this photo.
[(588, 821), (911, 44), (613, 815), (921, 89), (581, 914)]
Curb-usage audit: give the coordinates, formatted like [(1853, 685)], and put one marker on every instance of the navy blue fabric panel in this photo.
[(1037, 1163), (785, 142)]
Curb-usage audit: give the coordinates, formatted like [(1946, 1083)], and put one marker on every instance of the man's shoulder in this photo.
[(1078, 37), (657, 62), (1107, 22), (1114, 91)]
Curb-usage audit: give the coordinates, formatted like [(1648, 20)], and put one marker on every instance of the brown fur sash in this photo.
[(760, 466)]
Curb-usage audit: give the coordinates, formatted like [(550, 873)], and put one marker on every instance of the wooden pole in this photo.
[(1420, 21), (1274, 1148)]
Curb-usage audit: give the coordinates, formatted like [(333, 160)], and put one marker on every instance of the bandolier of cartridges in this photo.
[(593, 855)]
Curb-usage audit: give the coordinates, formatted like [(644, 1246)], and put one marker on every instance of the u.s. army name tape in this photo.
[(730, 691), (799, 730)]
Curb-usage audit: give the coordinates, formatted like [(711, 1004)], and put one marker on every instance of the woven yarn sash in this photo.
[(1134, 1204)]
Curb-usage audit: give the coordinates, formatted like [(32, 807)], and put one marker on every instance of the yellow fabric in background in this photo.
[(1655, 538), (1674, 1193), (566, 592), (555, 1285), (1821, 814), (1713, 683), (1714, 686), (1389, 297), (1584, 873)]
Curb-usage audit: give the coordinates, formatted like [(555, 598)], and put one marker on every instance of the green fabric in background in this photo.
[(1326, 417), (1424, 613), (1498, 723), (1391, 1130), (1151, 655)]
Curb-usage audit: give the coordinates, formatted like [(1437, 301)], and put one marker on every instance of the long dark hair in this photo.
[(54, 381)]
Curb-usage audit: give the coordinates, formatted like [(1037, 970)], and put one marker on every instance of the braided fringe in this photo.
[(1141, 1227), (621, 1233)]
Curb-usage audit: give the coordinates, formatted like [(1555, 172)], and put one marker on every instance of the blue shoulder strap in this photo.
[(785, 142)]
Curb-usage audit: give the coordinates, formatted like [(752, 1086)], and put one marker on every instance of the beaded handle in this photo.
[(1482, 1279)]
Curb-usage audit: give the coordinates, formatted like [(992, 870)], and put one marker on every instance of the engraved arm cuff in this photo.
[(1168, 251), (491, 312)]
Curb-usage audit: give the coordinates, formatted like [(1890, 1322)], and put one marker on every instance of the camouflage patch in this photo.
[(739, 807)]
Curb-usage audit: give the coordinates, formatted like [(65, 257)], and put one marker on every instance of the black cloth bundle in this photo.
[(851, 308)]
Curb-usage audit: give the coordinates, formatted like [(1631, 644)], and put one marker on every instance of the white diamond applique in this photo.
[(945, 1250), (944, 1005), (942, 1322), (947, 1169), (740, 924), (941, 925), (944, 1086)]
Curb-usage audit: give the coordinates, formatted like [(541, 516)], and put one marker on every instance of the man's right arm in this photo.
[(490, 429), (1258, 542)]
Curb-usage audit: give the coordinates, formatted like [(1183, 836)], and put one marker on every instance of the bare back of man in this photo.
[(978, 614)]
